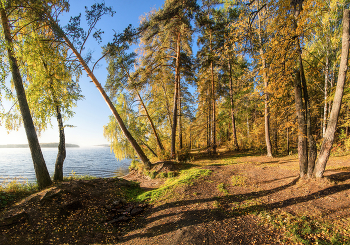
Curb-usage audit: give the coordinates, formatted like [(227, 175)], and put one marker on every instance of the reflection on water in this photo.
[(94, 161)]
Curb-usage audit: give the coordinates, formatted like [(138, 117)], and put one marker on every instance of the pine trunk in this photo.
[(41, 172), (213, 140), (180, 121), (233, 119), (333, 118), (176, 96)]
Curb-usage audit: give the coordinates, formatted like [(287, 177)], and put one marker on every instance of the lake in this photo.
[(16, 163)]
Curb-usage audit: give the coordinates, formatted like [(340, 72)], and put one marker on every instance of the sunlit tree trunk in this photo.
[(41, 172), (325, 96), (180, 120), (176, 95), (333, 118), (233, 119), (213, 141)]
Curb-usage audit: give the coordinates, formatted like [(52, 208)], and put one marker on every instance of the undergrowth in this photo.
[(74, 176), (306, 229), (14, 190)]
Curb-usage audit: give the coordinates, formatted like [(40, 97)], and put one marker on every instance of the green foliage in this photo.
[(185, 177)]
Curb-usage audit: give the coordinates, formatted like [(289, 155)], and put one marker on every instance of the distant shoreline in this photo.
[(43, 145)]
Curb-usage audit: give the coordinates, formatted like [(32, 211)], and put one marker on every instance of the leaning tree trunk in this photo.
[(233, 119), (41, 172), (333, 118), (126, 132)]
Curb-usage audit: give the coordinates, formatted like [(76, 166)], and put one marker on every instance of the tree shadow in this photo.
[(339, 177), (274, 180), (195, 217)]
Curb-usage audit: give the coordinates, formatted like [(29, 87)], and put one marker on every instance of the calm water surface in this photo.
[(16, 163)]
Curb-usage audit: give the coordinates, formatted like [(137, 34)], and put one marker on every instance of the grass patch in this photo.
[(15, 190), (238, 180), (221, 187), (74, 176), (132, 191), (307, 230), (185, 177), (229, 161)]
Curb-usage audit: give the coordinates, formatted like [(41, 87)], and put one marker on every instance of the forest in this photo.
[(195, 80)]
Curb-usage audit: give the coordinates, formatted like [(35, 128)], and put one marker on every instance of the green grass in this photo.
[(306, 229), (238, 180), (221, 187), (185, 177), (74, 176)]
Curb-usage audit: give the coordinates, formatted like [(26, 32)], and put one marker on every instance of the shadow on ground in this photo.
[(196, 217)]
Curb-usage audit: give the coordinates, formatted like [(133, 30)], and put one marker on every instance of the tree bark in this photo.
[(312, 149), (302, 142), (325, 96), (41, 172), (333, 118), (180, 120), (214, 109), (135, 145), (61, 155), (176, 95), (233, 119), (287, 139)]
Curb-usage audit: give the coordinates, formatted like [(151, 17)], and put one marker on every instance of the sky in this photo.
[(92, 113)]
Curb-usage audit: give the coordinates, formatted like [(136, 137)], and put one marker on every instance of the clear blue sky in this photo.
[(93, 112)]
